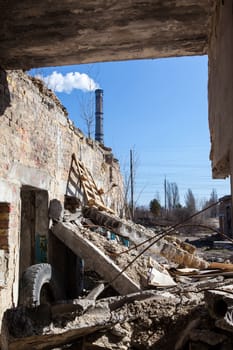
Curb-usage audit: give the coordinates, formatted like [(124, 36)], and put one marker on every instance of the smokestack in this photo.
[(99, 134)]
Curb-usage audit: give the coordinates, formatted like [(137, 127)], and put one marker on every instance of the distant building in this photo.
[(225, 220)]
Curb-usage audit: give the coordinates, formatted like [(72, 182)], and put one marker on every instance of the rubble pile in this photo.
[(167, 250), (171, 299), (164, 320), (120, 254)]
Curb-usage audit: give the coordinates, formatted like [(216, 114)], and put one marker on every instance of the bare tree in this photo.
[(87, 111), (87, 104), (190, 202), (212, 212), (86, 99), (172, 195), (175, 195), (168, 196), (213, 199)]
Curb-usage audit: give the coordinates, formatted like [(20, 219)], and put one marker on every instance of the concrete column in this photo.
[(220, 90)]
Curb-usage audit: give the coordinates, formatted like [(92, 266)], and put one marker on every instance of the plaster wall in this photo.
[(37, 140)]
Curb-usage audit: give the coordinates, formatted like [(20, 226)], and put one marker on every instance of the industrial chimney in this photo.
[(99, 134)]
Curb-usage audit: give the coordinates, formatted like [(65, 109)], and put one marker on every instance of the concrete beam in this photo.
[(94, 258), (43, 33)]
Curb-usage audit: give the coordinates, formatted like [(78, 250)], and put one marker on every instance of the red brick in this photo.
[(3, 241), (4, 208), (3, 232), (4, 224), (4, 216)]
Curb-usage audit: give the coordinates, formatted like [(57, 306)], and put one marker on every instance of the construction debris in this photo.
[(160, 279), (176, 254), (94, 240), (189, 307), (170, 247), (145, 320), (95, 259), (39, 327)]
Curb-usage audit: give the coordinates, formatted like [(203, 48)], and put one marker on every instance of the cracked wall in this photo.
[(37, 141), (220, 89)]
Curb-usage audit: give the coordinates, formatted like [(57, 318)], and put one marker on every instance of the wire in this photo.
[(161, 235)]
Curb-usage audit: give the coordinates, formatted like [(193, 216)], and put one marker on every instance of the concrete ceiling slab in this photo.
[(49, 33)]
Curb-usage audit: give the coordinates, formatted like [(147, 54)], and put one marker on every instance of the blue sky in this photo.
[(158, 108)]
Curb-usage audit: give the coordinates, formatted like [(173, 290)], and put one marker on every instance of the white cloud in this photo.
[(66, 83)]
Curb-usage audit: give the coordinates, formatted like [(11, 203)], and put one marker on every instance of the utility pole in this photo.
[(165, 194), (132, 183)]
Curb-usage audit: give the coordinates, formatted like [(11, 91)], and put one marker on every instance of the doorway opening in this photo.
[(34, 227)]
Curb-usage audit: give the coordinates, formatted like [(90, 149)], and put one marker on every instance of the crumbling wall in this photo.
[(37, 140), (220, 89)]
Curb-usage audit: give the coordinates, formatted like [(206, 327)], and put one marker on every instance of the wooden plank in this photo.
[(221, 266), (93, 195)]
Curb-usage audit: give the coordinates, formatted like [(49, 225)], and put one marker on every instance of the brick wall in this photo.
[(4, 225), (36, 133), (37, 140)]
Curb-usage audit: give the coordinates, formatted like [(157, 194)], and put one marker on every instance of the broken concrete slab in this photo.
[(122, 256), (94, 258), (158, 276), (170, 247), (160, 279)]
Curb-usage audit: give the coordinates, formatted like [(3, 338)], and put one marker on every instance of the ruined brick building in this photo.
[(38, 142), (37, 137)]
